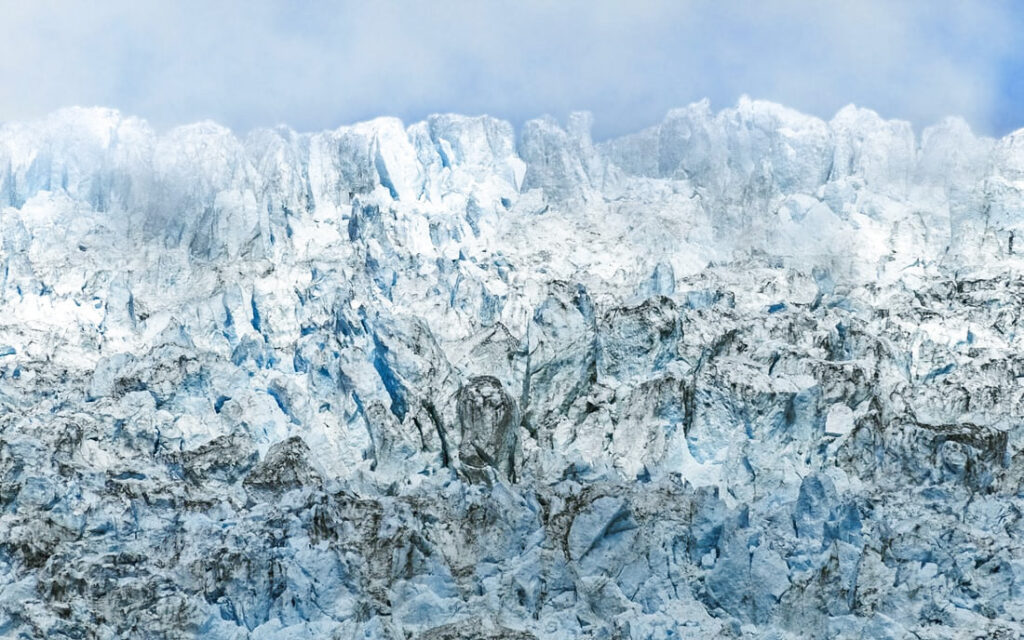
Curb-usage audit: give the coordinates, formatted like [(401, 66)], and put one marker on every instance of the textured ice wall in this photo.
[(743, 374)]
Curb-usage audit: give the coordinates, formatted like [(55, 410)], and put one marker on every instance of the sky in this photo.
[(317, 65)]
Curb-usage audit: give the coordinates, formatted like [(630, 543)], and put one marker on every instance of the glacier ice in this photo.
[(745, 374)]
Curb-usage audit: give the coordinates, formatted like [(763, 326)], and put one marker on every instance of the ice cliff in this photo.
[(745, 374)]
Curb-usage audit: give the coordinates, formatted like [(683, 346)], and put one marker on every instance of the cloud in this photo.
[(316, 65)]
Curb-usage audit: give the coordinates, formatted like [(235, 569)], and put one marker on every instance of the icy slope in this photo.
[(742, 374)]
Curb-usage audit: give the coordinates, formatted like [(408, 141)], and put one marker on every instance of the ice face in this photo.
[(741, 374)]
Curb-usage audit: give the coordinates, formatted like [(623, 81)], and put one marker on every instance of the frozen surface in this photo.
[(745, 374)]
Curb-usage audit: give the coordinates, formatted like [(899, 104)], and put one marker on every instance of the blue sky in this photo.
[(316, 65)]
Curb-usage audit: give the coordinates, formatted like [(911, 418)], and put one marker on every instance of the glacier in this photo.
[(743, 374)]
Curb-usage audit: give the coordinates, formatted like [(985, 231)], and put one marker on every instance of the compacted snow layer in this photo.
[(745, 374)]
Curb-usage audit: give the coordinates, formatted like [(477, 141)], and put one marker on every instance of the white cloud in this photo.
[(319, 64)]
